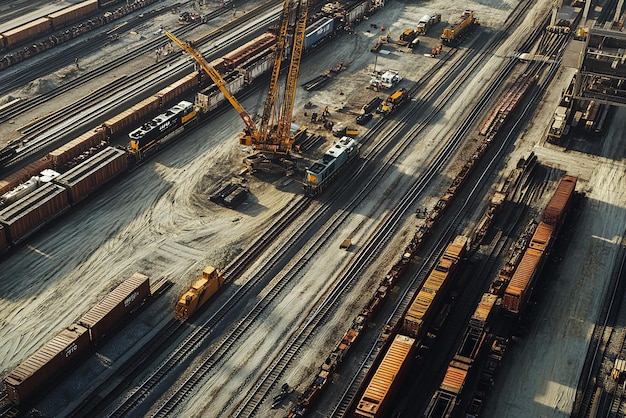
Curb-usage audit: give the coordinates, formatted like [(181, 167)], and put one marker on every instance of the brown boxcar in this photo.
[(110, 312), (86, 177), (49, 360), (386, 378), (131, 117), (248, 50), (33, 211), (177, 89), (559, 203), (28, 31), (76, 146), (73, 14), (4, 240), (23, 174)]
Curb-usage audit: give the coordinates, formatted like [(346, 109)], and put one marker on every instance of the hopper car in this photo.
[(453, 33), (59, 22), (64, 351), (199, 293), (319, 175)]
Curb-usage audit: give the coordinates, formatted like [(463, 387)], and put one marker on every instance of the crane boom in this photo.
[(219, 82)]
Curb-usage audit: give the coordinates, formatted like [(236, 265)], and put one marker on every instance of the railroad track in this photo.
[(599, 394), (344, 402), (44, 133), (235, 270), (384, 232)]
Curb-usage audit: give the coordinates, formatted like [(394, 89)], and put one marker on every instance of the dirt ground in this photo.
[(158, 221)]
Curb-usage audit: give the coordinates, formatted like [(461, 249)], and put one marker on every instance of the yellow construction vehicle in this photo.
[(273, 139)]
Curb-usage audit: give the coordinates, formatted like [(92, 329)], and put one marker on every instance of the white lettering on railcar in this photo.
[(69, 350), (131, 298)]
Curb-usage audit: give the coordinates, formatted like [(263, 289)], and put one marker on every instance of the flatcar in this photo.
[(332, 162), (199, 293)]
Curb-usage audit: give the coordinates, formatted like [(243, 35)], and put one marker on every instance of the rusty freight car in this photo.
[(117, 305), (48, 361), (379, 391), (75, 147), (560, 201), (32, 212), (425, 303), (521, 285), (87, 177)]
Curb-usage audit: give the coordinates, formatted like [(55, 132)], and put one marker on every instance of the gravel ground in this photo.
[(159, 221)]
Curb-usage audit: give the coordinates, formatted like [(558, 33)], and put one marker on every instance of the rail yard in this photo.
[(431, 224)]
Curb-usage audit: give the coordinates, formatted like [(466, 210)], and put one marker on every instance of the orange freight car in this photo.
[(427, 300), (559, 203), (75, 147), (521, 285), (380, 389)]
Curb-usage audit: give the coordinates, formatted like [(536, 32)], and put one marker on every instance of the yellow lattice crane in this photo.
[(273, 139), (219, 81)]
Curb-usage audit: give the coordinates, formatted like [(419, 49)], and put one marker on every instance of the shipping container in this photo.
[(541, 237), (386, 379), (75, 147), (26, 379), (559, 203), (88, 176), (72, 14), (27, 32), (32, 212), (483, 311), (131, 117), (317, 32), (177, 89), (111, 311), (3, 43), (250, 49), (24, 174)]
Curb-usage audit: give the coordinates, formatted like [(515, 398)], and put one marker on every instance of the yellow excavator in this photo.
[(273, 139)]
